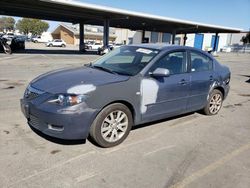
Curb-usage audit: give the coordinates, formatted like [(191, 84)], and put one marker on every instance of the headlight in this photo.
[(68, 100)]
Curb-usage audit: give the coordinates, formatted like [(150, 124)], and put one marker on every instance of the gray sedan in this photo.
[(129, 86)]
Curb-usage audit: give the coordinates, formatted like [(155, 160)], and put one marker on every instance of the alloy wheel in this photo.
[(114, 126), (215, 103)]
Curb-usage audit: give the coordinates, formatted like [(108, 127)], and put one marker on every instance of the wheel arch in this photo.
[(127, 104), (221, 89)]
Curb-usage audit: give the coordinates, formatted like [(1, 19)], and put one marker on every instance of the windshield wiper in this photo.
[(124, 73), (103, 68)]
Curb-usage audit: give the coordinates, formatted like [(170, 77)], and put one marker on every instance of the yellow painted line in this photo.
[(213, 166)]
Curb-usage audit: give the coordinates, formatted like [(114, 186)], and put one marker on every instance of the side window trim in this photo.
[(189, 61)]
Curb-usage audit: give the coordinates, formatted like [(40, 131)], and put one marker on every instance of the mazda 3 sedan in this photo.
[(131, 85)]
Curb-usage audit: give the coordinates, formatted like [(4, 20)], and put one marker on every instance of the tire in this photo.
[(7, 49), (112, 125), (63, 45), (214, 103), (50, 45)]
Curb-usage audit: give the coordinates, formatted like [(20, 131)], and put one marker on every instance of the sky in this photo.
[(230, 13)]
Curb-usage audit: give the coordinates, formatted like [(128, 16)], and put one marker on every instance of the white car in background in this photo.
[(226, 49), (56, 43), (94, 46), (118, 45)]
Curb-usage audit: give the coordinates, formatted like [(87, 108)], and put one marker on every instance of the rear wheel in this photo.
[(7, 49), (214, 103), (63, 45), (112, 125)]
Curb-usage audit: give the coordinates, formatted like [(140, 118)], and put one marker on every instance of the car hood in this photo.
[(79, 80)]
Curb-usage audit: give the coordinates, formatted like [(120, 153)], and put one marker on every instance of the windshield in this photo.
[(126, 60)]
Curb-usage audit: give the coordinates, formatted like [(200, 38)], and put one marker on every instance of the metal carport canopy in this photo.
[(77, 12)]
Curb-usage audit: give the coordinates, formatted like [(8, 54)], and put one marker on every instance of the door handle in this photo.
[(183, 82), (211, 78)]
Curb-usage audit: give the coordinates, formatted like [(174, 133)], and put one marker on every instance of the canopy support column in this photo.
[(81, 38), (173, 36), (185, 39), (215, 41), (106, 33), (143, 36)]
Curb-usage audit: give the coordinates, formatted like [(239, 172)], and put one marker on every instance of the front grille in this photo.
[(32, 93), (40, 125), (35, 122)]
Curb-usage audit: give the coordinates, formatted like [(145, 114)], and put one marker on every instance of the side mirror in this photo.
[(160, 72)]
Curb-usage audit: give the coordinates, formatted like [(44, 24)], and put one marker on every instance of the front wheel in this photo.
[(112, 125), (214, 103)]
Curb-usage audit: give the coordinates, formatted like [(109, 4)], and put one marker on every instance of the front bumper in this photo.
[(226, 91), (70, 123)]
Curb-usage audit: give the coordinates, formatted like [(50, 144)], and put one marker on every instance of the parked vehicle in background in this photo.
[(8, 36), (129, 86), (56, 43), (94, 46), (226, 49), (38, 39), (237, 48), (18, 42), (117, 45), (4, 45), (105, 49), (45, 37)]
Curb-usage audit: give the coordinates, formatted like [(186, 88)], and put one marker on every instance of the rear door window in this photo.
[(200, 62)]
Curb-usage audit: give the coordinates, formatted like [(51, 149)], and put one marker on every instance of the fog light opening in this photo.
[(55, 127)]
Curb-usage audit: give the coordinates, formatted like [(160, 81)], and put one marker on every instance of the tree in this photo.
[(7, 23), (246, 39), (34, 26)]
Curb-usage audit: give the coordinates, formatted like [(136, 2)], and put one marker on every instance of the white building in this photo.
[(202, 41)]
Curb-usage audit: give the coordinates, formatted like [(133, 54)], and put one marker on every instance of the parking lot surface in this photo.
[(192, 150)]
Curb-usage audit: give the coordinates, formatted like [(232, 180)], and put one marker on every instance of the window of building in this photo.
[(166, 37), (154, 37)]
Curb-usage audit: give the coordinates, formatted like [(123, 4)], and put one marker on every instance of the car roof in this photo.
[(157, 46), (163, 46), (166, 47)]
